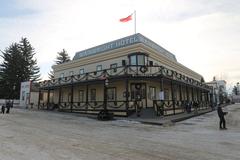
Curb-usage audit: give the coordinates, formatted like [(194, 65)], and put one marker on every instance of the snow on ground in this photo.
[(44, 135)]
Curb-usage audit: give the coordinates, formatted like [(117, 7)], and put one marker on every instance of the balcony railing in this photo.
[(129, 70), (171, 107)]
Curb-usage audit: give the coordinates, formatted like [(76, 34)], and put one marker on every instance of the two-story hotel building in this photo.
[(124, 76)]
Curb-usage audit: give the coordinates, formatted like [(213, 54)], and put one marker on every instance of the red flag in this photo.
[(128, 18)]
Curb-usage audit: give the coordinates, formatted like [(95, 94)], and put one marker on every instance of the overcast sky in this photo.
[(204, 35)]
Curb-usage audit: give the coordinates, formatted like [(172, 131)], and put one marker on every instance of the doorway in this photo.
[(138, 93)]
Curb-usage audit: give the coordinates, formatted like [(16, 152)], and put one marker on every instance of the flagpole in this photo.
[(135, 21)]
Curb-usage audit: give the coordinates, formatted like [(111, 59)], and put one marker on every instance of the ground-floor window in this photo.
[(81, 96), (111, 94), (152, 93), (93, 94), (166, 94), (69, 97)]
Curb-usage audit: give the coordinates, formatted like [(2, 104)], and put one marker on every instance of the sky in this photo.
[(203, 35)]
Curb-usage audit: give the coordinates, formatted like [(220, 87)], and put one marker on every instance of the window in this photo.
[(113, 67), (99, 68), (81, 71), (81, 96), (69, 97), (70, 73), (61, 75), (93, 95), (152, 93), (133, 59), (140, 59), (111, 94), (166, 94), (137, 59)]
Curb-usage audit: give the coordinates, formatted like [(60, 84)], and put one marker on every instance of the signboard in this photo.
[(123, 42)]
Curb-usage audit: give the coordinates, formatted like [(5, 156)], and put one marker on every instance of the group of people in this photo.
[(189, 105), (7, 106)]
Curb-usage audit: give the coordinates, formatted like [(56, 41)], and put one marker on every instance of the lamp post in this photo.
[(104, 114), (106, 83)]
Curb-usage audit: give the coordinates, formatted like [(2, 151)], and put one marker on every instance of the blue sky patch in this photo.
[(10, 8)]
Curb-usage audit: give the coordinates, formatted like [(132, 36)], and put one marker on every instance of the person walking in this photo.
[(3, 109), (221, 114), (8, 105)]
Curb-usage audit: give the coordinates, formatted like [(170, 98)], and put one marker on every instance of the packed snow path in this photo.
[(43, 135)]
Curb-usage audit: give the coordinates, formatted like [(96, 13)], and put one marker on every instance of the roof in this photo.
[(124, 42)]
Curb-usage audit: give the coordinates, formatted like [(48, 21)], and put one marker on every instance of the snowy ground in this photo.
[(26, 135)]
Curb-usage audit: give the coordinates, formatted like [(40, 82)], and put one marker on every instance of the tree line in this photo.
[(19, 65)]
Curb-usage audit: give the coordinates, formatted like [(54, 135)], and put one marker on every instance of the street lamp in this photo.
[(104, 114), (106, 83)]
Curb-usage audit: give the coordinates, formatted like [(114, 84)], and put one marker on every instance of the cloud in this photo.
[(203, 34)]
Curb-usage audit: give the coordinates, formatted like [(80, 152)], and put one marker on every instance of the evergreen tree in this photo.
[(18, 66), (11, 73), (30, 64), (62, 57)]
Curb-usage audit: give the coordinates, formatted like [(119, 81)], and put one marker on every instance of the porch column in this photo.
[(180, 91), (161, 84), (39, 96), (187, 93), (71, 97), (127, 95), (48, 97), (59, 96), (173, 100), (192, 94), (86, 97)]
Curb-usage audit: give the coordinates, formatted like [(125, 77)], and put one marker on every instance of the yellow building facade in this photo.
[(125, 76)]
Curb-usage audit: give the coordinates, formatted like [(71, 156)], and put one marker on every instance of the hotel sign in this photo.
[(123, 42)]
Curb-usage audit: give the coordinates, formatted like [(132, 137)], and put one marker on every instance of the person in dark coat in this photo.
[(221, 114), (3, 109), (8, 105)]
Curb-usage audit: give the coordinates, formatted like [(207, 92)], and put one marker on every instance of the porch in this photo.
[(124, 91)]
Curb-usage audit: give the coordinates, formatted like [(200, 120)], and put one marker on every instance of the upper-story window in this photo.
[(138, 59), (81, 71), (141, 59), (99, 68), (133, 60)]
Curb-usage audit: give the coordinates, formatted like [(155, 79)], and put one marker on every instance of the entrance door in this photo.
[(138, 93)]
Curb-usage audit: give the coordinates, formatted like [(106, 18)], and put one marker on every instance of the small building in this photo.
[(219, 92), (29, 95), (124, 76)]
